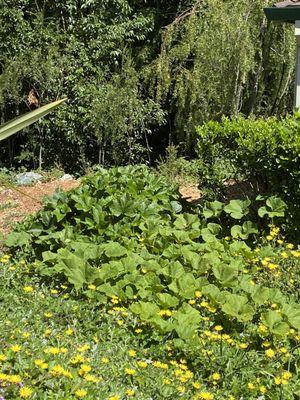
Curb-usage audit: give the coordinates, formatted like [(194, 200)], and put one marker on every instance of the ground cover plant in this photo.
[(212, 295)]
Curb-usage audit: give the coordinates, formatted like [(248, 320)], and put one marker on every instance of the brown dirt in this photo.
[(15, 206), (190, 193)]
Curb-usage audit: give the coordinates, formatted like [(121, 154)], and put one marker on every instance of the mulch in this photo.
[(15, 206)]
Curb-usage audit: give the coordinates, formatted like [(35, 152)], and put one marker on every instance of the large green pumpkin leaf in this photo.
[(187, 285), (237, 209), (145, 309), (238, 307), (275, 207), (187, 321), (274, 322), (243, 231), (212, 209), (260, 295), (166, 300), (292, 313), (114, 249), (77, 271), (226, 274)]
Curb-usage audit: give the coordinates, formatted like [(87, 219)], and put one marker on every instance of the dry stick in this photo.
[(9, 185)]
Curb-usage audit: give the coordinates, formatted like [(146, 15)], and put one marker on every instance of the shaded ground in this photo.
[(14, 206)]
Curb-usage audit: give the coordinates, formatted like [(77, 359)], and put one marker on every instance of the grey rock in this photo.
[(66, 177), (28, 178)]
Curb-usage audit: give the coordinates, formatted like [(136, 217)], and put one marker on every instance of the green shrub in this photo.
[(264, 149)]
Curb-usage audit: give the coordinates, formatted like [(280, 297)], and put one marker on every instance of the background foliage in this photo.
[(132, 69)]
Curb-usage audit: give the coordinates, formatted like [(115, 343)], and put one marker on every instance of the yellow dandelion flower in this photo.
[(215, 377), (78, 359), (84, 369), (48, 314), (286, 375), (3, 377), (130, 392), (206, 396), (218, 328), (251, 386), (3, 357), (57, 370), (28, 289), (80, 393), (283, 350), (14, 379), (91, 378), (266, 344), (181, 389), (262, 329), (69, 332), (92, 287), (290, 246), (52, 350), (47, 332), (16, 348), (270, 353), (142, 364), (262, 389), (82, 349), (104, 360), (196, 385), (277, 380), (63, 350), (164, 313), (272, 266), (130, 371), (158, 364), (115, 397), (25, 392)]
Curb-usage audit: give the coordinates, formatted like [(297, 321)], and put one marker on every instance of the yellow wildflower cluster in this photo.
[(58, 370), (283, 379), (165, 313), (274, 231)]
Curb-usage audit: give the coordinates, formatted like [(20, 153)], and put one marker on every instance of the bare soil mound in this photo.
[(15, 206)]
